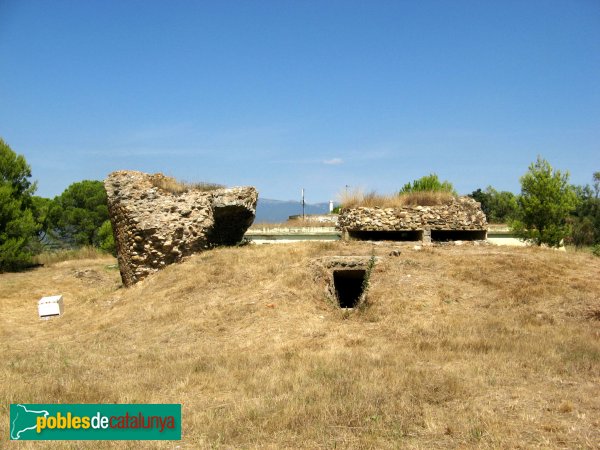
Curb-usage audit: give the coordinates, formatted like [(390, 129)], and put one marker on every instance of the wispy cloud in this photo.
[(349, 158)]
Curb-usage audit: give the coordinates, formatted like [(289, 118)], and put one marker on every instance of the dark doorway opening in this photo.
[(348, 286), (231, 222), (404, 235), (457, 235)]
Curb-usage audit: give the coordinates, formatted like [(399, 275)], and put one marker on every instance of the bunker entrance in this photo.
[(457, 235), (348, 286), (405, 235)]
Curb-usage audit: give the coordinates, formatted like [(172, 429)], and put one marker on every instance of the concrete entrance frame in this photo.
[(330, 271)]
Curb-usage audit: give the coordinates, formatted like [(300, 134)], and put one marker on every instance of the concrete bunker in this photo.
[(461, 218), (385, 235), (349, 286)]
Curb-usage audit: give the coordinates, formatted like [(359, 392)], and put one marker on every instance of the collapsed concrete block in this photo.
[(157, 222)]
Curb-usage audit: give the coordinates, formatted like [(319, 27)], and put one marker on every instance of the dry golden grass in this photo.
[(177, 187), (358, 198), (426, 198), (53, 257), (458, 347)]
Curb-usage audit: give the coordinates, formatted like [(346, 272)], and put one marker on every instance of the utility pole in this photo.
[(302, 204)]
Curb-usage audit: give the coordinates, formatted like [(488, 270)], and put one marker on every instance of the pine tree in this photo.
[(544, 205), (17, 223)]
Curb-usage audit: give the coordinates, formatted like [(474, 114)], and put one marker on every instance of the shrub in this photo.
[(429, 183)]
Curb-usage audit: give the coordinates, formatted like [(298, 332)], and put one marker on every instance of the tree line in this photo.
[(30, 224), (548, 210)]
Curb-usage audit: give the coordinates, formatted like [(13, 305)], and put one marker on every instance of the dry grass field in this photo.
[(457, 347)]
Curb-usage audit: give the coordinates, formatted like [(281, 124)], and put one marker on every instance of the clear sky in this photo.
[(290, 94)]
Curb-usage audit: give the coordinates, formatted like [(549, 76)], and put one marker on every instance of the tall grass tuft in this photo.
[(177, 187), (53, 257), (357, 198), (426, 198)]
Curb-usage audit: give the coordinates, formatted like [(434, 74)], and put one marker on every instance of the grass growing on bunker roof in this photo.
[(358, 198), (174, 186)]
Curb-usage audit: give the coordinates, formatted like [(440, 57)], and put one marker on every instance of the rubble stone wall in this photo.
[(462, 213), (154, 228)]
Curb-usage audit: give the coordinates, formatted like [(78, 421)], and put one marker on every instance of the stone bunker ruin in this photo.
[(460, 219), (154, 226)]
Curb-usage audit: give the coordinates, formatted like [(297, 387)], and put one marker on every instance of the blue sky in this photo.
[(290, 94)]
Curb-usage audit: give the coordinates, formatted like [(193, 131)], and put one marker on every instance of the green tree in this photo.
[(106, 238), (498, 206), (428, 183), (17, 223), (582, 232), (77, 214), (544, 205), (586, 218), (483, 197), (40, 207)]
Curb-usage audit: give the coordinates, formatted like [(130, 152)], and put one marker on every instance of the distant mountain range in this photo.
[(276, 211)]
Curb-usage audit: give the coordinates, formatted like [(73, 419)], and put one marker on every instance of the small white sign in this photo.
[(50, 306)]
